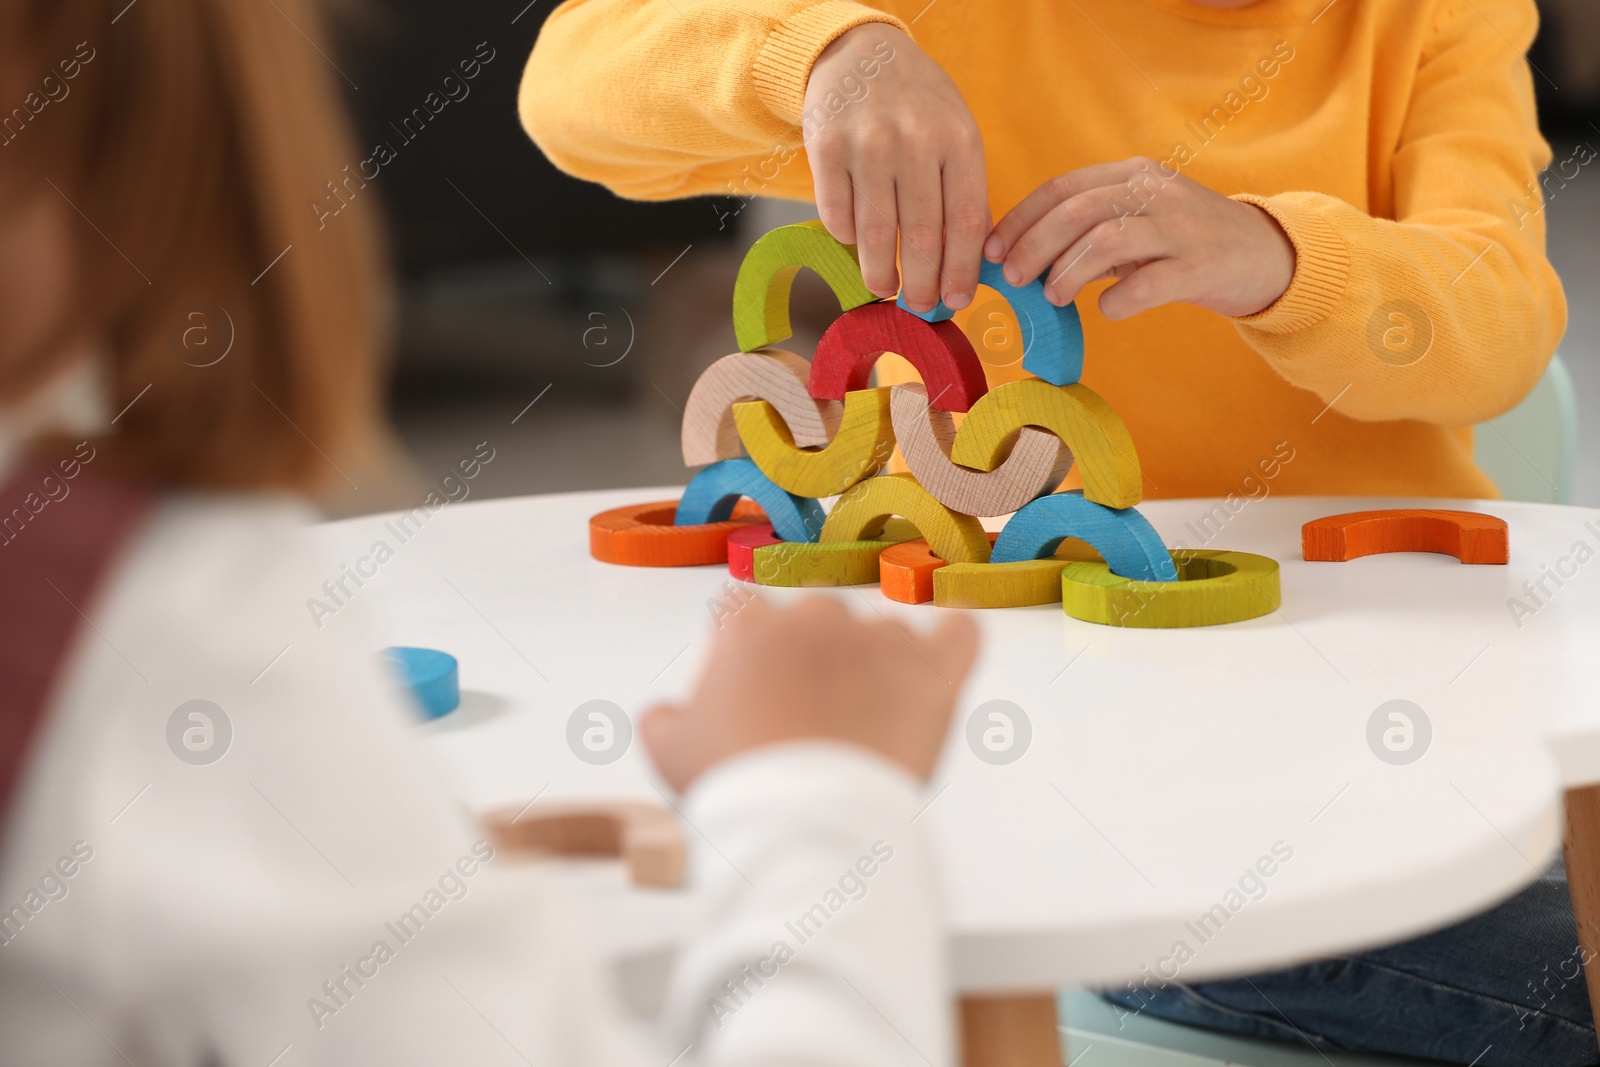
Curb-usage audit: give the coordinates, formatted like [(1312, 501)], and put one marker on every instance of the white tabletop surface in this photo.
[(1163, 763)]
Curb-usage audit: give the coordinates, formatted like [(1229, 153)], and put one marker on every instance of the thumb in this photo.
[(662, 729), (954, 645)]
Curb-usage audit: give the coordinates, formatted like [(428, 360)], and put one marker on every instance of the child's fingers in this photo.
[(953, 645), (661, 728), (1063, 228), (876, 229), (1039, 203), (966, 223), (835, 200), (1152, 285), (1118, 243), (920, 209)]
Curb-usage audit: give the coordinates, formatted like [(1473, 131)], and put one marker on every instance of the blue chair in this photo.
[(1105, 1036), (1531, 451)]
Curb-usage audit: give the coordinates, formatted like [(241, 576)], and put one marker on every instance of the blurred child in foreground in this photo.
[(186, 354)]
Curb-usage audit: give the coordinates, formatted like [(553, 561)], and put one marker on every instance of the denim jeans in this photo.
[(1503, 989)]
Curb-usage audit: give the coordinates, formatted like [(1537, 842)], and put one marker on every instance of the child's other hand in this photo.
[(1167, 238), (897, 150), (814, 671)]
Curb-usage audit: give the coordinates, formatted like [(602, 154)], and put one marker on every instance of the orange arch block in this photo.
[(1467, 535), (905, 571), (642, 535)]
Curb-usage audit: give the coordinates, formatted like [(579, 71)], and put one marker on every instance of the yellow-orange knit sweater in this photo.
[(1395, 140)]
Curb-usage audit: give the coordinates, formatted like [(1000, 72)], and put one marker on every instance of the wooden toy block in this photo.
[(939, 351), (860, 448), (1467, 535), (1052, 337), (1212, 588), (1100, 443), (833, 563), (646, 837), (863, 510), (712, 494), (773, 375), (644, 535), (433, 678), (742, 544), (911, 574), (761, 291), (1021, 584), (1036, 465), (905, 571), (1124, 538)]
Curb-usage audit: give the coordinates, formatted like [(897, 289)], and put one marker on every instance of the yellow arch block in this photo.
[(860, 448), (1008, 585), (1100, 443), (761, 291), (863, 511), (1212, 588), (811, 563)]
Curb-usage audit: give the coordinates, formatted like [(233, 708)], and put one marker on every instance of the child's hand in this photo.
[(1167, 237), (813, 671), (897, 150)]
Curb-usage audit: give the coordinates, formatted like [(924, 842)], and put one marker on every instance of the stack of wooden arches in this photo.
[(775, 435)]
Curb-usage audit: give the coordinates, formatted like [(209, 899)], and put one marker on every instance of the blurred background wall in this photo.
[(565, 326)]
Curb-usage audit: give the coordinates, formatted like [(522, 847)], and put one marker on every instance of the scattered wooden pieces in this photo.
[(939, 351), (834, 563), (712, 494), (761, 291), (1212, 588), (1124, 538), (742, 544), (1021, 584), (773, 375), (1052, 337), (1037, 463), (864, 509), (643, 535), (863, 444), (1100, 443), (645, 836), (1469, 536)]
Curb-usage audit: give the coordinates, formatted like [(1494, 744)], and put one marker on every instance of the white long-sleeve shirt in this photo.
[(318, 896)]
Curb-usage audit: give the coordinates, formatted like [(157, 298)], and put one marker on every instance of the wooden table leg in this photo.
[(1582, 851), (1010, 1031)]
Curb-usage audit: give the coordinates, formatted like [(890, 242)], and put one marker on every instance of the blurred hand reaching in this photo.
[(812, 671)]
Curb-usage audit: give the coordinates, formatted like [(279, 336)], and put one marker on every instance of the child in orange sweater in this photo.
[(1322, 225), (1350, 256)]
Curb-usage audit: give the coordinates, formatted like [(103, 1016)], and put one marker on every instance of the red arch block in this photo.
[(1467, 535), (939, 350)]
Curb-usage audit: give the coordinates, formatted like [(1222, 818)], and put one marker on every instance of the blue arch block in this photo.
[(1052, 337), (712, 494), (430, 676), (1123, 537)]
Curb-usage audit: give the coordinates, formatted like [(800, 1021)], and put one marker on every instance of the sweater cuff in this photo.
[(820, 778), (783, 66), (1322, 267)]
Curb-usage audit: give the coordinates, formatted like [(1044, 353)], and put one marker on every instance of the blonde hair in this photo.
[(193, 140)]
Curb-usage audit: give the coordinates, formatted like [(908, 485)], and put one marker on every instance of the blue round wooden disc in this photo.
[(432, 677)]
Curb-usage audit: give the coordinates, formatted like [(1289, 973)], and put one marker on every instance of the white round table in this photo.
[(1168, 770)]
